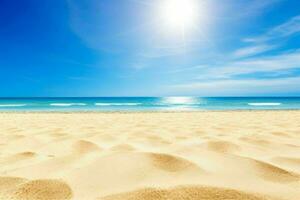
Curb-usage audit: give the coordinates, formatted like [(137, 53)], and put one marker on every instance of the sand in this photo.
[(246, 155)]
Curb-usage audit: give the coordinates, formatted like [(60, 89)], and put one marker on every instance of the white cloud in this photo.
[(263, 64), (286, 61), (290, 27), (221, 80), (239, 87), (252, 50)]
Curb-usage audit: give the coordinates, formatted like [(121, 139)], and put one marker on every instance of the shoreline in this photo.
[(144, 111)]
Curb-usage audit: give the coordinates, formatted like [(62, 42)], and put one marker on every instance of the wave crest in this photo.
[(117, 104), (67, 104), (264, 104), (12, 105)]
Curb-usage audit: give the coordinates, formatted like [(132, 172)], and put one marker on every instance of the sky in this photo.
[(74, 48)]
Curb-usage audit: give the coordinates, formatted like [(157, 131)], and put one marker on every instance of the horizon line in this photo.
[(250, 96)]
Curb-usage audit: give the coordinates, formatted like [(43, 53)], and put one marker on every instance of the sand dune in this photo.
[(161, 156)]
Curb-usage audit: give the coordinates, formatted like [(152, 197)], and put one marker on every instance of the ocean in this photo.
[(148, 104)]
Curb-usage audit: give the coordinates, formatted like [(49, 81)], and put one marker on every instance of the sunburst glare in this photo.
[(179, 13)]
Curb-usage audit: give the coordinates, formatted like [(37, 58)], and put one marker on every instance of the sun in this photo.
[(180, 14)]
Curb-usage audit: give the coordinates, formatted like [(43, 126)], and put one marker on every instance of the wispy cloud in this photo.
[(263, 87), (249, 70), (263, 64), (192, 68), (233, 78), (284, 61), (252, 50), (262, 43), (290, 27)]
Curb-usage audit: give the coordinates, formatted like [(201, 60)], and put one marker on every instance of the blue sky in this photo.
[(126, 48)]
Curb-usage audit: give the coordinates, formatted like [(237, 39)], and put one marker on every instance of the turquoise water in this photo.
[(149, 104)]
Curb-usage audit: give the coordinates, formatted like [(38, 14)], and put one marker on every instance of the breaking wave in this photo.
[(12, 105), (117, 104), (264, 104), (67, 104)]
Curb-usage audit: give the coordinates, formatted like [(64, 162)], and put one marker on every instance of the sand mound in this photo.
[(147, 155), (130, 170), (43, 190), (272, 173), (170, 163), (186, 193), (83, 146), (222, 146)]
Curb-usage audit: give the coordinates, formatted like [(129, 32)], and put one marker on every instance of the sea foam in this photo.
[(67, 104), (117, 104), (12, 105), (264, 104)]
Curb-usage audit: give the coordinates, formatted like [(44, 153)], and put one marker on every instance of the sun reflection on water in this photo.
[(180, 100)]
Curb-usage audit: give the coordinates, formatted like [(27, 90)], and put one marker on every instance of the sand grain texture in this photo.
[(186, 193), (245, 155)]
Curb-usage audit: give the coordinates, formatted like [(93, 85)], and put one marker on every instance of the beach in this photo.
[(222, 155)]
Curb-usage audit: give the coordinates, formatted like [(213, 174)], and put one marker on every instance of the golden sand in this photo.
[(246, 155)]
